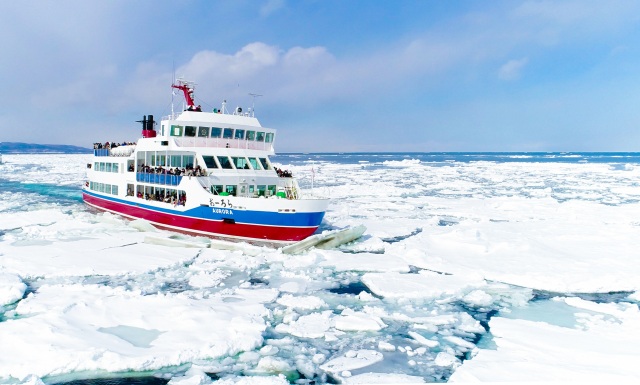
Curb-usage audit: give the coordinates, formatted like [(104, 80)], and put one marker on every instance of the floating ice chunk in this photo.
[(478, 298), (208, 278), (112, 255), (352, 360), (313, 325), (269, 350), (405, 163), (11, 288), (351, 320), (143, 226), (386, 347), (253, 380), (273, 365), (301, 302), (537, 351), (290, 287), (422, 340), (634, 296), (446, 359), (192, 377), (366, 297), (383, 378), (423, 285), (97, 328), (462, 344), (319, 358), (363, 262)]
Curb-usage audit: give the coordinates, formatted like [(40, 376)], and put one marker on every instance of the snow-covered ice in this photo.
[(522, 269)]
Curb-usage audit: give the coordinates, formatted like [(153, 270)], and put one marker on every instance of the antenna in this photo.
[(253, 103)]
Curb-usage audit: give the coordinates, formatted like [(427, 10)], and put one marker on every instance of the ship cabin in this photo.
[(228, 154)]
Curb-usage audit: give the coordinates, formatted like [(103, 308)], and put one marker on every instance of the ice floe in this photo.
[(469, 270)]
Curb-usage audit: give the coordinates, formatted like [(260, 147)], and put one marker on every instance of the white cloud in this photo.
[(512, 69)]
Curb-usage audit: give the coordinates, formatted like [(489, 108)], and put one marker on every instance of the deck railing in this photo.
[(165, 179)]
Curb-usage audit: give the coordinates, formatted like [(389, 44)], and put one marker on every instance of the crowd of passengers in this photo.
[(110, 145), (184, 171), (284, 173), (174, 199)]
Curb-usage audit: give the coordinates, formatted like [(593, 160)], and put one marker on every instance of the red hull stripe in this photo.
[(203, 226)]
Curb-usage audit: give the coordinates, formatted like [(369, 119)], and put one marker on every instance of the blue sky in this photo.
[(336, 75)]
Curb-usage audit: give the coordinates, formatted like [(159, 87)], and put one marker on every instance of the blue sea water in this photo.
[(342, 294)]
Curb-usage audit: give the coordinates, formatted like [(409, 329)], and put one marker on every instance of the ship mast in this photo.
[(187, 88)]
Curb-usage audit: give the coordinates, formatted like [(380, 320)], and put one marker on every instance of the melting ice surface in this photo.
[(489, 267)]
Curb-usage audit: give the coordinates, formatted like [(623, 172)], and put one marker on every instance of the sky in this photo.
[(334, 75)]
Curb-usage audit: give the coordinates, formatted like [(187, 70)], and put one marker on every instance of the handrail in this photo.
[(165, 179)]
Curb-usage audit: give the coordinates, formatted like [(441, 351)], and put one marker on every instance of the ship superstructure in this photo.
[(206, 173)]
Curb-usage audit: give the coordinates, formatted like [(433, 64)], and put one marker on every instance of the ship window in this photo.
[(114, 190), (216, 189), (114, 168), (187, 161), (176, 161), (190, 131), (161, 160), (252, 188), (228, 133), (260, 137), (271, 189), (176, 130), (203, 132), (239, 134), (108, 169), (240, 163), (231, 189), (254, 163), (251, 135), (261, 189), (225, 162), (269, 137), (216, 132), (210, 161), (265, 164)]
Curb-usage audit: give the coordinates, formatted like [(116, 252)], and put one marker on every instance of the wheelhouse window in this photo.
[(216, 132), (216, 189), (260, 137), (176, 130), (239, 134), (228, 133), (210, 161), (203, 132), (225, 162), (265, 164), (240, 163), (190, 131), (268, 137), (251, 135), (254, 163)]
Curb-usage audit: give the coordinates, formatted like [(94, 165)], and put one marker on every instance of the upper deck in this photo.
[(216, 130)]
